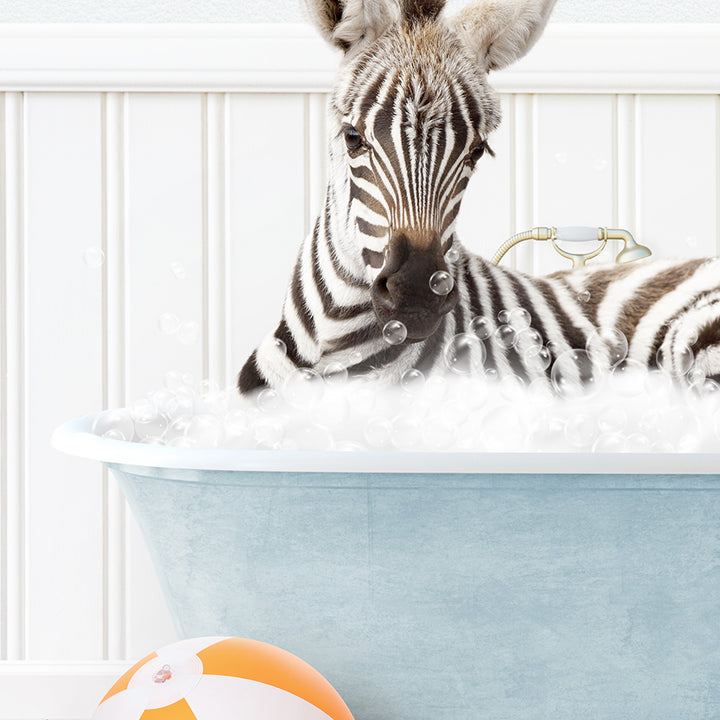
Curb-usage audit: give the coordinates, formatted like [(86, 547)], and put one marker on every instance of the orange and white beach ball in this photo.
[(222, 679)]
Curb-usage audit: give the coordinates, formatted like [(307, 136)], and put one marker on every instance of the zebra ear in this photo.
[(350, 24), (499, 32)]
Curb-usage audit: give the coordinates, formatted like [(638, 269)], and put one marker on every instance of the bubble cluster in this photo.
[(626, 408)]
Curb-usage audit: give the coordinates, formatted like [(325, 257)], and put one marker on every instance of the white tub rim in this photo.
[(76, 438)]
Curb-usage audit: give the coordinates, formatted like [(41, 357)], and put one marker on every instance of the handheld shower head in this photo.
[(631, 250)]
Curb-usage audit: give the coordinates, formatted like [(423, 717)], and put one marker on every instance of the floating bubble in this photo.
[(169, 323), (279, 346), (453, 254), (465, 354), (584, 296), (178, 270), (237, 423), (268, 400), (394, 332), (481, 326), (335, 371), (405, 432), (608, 346), (304, 388), (189, 332), (441, 282), (503, 317), (512, 388), (115, 425), (572, 373), (519, 318), (94, 257), (506, 336), (412, 380), (313, 436), (637, 443), (529, 339), (537, 359), (677, 363)]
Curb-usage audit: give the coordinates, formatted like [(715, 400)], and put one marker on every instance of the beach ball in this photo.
[(222, 679)]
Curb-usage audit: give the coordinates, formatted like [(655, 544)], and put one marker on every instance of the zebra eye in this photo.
[(477, 152), (353, 139)]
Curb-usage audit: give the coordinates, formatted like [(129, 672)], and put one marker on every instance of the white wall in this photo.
[(104, 143), (235, 11)]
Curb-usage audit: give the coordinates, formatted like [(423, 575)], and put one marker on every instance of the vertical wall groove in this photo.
[(113, 148), (14, 490), (625, 162), (717, 172), (525, 180), (214, 237), (3, 389)]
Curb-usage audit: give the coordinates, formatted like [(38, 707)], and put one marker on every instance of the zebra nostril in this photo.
[(382, 295)]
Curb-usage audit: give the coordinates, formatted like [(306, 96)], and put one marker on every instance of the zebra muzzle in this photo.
[(402, 291)]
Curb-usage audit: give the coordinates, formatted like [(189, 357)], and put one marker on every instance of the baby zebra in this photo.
[(409, 118)]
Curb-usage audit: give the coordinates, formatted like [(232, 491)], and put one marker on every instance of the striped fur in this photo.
[(409, 118)]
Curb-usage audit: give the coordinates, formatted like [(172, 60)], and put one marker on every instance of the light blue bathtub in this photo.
[(447, 586)]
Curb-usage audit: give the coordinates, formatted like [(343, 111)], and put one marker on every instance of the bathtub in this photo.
[(441, 586)]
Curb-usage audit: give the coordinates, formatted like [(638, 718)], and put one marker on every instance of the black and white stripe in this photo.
[(423, 110)]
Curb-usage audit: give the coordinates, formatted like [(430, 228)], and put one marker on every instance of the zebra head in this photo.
[(410, 115)]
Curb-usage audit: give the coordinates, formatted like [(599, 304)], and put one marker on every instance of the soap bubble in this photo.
[(529, 339), (405, 432), (114, 425), (438, 432), (580, 430), (481, 326), (335, 371), (628, 377), (268, 431), (94, 257), (453, 254), (143, 410), (441, 282), (512, 388), (519, 318), (189, 332), (608, 346), (304, 388), (279, 346), (537, 359), (679, 364), (584, 296), (178, 270), (465, 354), (609, 443), (169, 323), (268, 400), (612, 420), (151, 429), (313, 436), (394, 332), (377, 432), (237, 423), (412, 380), (205, 430), (572, 374), (503, 317), (506, 336)]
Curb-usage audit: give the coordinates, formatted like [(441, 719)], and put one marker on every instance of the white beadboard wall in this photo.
[(205, 146)]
